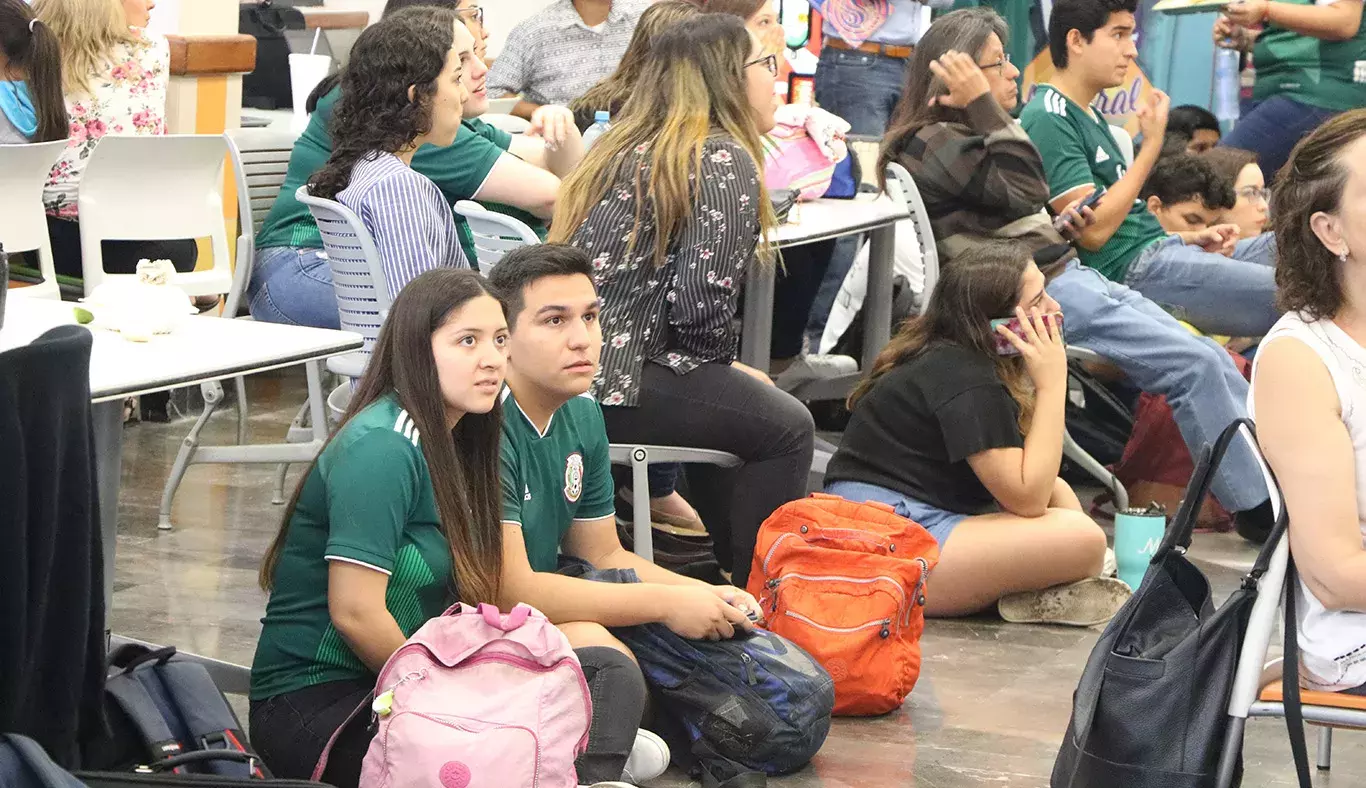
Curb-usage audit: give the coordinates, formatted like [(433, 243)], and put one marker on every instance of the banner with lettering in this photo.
[(1119, 105)]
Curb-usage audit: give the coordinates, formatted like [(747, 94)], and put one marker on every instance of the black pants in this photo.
[(120, 257), (718, 407), (290, 731), (793, 293)]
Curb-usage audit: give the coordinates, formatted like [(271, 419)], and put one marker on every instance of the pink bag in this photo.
[(478, 699), (792, 160)]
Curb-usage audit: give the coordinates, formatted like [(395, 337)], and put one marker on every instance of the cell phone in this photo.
[(1092, 199), (1003, 346)]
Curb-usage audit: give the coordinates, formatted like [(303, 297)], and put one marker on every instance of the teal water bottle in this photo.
[(1138, 533)]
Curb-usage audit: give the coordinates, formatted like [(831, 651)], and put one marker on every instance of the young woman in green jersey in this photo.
[(397, 519)]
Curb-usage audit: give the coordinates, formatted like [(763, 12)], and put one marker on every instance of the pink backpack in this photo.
[(478, 699)]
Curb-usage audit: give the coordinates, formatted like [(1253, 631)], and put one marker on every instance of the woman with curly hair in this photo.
[(402, 89), (1309, 395)]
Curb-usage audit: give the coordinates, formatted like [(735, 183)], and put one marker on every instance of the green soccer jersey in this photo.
[(1326, 74), (369, 501), (458, 170), (1079, 150), (555, 478)]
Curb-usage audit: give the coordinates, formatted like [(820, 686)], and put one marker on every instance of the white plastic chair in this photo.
[(265, 163), (901, 186), (156, 188), (301, 448), (495, 234), (23, 223), (1125, 142), (639, 458)]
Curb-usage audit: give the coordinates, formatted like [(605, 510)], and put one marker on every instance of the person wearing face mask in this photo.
[(413, 57), (669, 204), (291, 282), (32, 108)]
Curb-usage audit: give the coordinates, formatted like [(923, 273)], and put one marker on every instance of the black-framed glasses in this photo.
[(1000, 64), (1253, 193), (475, 12), (770, 62)]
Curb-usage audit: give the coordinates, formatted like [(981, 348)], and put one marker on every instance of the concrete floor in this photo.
[(989, 710)]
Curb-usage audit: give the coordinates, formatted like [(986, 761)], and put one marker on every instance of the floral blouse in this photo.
[(679, 315), (127, 97)]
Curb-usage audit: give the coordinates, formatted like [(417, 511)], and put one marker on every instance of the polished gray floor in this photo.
[(990, 708)]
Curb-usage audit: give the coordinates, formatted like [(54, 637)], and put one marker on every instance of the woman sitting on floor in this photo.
[(385, 530), (401, 90), (967, 442), (1309, 395)]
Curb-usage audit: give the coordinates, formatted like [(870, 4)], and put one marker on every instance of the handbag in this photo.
[(1151, 709)]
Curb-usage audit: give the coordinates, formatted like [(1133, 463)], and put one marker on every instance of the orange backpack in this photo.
[(847, 581)]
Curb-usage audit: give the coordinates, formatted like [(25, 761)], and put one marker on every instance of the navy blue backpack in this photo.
[(733, 711)]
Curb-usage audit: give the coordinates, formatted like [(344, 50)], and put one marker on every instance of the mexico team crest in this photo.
[(573, 477)]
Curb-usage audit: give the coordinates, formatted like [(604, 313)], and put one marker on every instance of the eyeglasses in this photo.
[(1000, 64), (476, 13), (1254, 193), (770, 62)]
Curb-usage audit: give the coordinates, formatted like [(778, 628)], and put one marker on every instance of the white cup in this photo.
[(305, 72)]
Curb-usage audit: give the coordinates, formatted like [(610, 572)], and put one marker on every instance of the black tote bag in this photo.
[(1151, 709)]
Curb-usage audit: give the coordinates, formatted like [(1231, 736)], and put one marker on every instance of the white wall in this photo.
[(499, 15)]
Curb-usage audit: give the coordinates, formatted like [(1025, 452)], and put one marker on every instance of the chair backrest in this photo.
[(495, 234), (156, 188), (246, 240), (265, 162), (901, 187), (363, 300), (1125, 142), (23, 225)]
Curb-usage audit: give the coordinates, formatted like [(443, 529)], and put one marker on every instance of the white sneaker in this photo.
[(1084, 603), (814, 366), (649, 759)]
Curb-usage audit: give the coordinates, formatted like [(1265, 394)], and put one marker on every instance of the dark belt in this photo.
[(886, 50)]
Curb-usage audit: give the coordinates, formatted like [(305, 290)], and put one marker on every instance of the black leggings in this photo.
[(289, 731), (120, 257), (719, 407)]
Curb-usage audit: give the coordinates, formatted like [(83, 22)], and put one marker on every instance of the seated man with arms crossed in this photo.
[(982, 181), (557, 497)]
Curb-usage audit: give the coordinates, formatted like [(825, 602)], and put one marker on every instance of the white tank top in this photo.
[(1332, 643)]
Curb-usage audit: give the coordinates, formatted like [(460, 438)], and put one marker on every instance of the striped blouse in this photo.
[(680, 315), (412, 224)]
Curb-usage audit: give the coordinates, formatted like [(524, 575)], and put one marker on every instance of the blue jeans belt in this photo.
[(887, 50)]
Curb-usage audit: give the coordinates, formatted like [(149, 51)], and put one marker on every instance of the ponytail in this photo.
[(32, 48)]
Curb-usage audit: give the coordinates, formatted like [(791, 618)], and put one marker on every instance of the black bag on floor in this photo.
[(166, 713), (1151, 709), (25, 764), (115, 780), (268, 86)]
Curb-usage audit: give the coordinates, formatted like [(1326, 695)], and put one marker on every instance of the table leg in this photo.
[(108, 433), (877, 303), (756, 333)]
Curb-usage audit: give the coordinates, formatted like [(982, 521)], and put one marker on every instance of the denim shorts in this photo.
[(939, 522)]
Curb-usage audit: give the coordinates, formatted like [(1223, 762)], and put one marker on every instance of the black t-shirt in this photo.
[(915, 429)]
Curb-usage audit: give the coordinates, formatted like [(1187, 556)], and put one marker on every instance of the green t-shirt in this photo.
[(368, 500), (552, 480), (458, 170), (1079, 150), (1326, 74)]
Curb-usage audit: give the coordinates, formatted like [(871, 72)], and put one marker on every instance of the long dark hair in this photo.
[(464, 467), (32, 48), (374, 114), (981, 286), (963, 31), (610, 94), (1309, 274)]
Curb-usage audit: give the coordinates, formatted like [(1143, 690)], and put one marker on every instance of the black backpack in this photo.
[(268, 86)]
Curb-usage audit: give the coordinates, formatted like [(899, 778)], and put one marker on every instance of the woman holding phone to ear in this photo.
[(967, 441)]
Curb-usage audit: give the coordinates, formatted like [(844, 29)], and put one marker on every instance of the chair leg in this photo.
[(1325, 754), (640, 503), (1091, 465), (240, 383), (280, 474), (213, 395), (1233, 745)]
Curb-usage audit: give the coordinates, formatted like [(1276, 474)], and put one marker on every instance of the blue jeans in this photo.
[(1234, 296), (939, 522), (293, 286), (1271, 127), (863, 89), (1205, 391)]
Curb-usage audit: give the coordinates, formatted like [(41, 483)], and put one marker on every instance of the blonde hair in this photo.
[(88, 31), (696, 74)]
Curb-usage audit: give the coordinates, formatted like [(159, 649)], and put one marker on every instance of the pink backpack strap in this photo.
[(515, 619), (331, 742)]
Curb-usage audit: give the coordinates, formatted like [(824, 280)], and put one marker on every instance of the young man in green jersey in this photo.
[(1188, 273), (557, 480)]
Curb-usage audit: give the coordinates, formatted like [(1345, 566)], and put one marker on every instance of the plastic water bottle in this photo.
[(1226, 87), (601, 123)]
